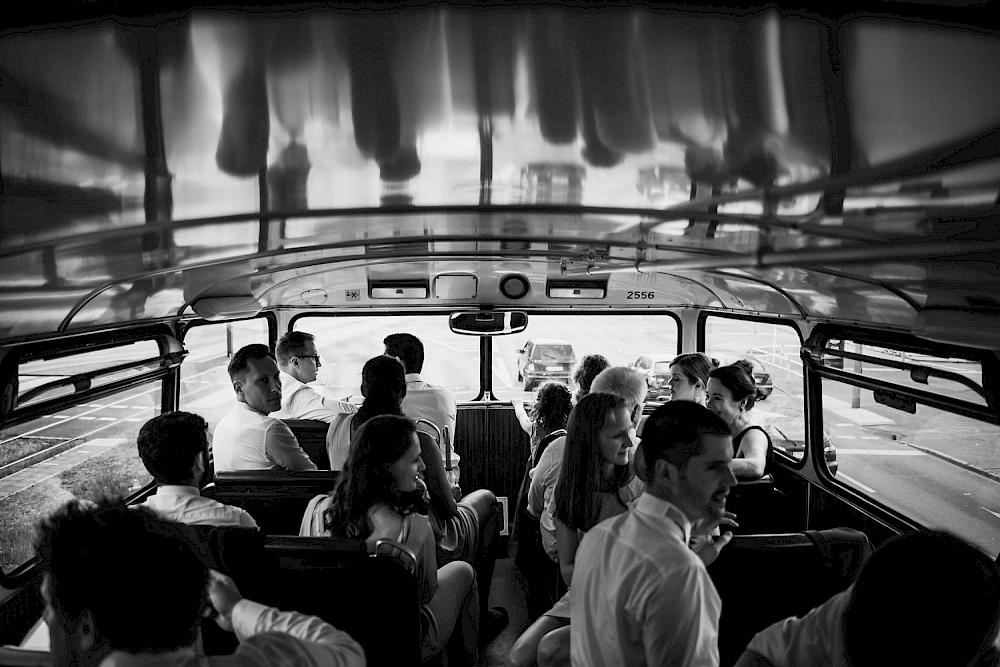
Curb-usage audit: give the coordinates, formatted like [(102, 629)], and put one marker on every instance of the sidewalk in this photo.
[(859, 416)]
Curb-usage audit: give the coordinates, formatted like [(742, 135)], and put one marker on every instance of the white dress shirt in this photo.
[(186, 505), (428, 401), (300, 401), (248, 440), (640, 595), (268, 638), (815, 639)]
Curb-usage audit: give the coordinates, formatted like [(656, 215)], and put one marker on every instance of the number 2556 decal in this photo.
[(639, 295)]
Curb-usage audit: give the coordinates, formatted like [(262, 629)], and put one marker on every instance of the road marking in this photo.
[(997, 515), (845, 424), (880, 452), (871, 437), (847, 437), (855, 482), (106, 419), (86, 419)]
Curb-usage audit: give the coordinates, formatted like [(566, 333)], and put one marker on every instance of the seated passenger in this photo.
[(247, 438), (423, 400), (547, 422), (590, 366), (466, 530), (689, 374), (597, 482), (298, 363), (731, 395), (640, 594), (626, 383), (922, 598), (121, 588), (376, 496), (174, 448)]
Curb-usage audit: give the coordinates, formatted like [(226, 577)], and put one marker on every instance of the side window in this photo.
[(205, 385), (773, 349), (83, 450), (935, 466)]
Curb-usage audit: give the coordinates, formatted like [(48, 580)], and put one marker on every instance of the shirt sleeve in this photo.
[(693, 639), (282, 448), (247, 521), (812, 639), (307, 403), (541, 480), (273, 638)]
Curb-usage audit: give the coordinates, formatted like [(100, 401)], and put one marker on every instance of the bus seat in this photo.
[(371, 597), (760, 507), (276, 499), (764, 578), (311, 434)]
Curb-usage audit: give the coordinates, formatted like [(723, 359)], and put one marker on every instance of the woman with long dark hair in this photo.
[(596, 482), (376, 496)]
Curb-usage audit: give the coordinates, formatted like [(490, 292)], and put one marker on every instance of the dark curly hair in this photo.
[(552, 407), (367, 478), (590, 367), (169, 443)]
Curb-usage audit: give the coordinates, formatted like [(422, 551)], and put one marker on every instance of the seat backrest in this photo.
[(373, 598), (766, 578), (311, 434), (276, 499)]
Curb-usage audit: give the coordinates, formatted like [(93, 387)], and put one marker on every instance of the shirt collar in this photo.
[(288, 380), (412, 377), (177, 490), (240, 405), (665, 510)]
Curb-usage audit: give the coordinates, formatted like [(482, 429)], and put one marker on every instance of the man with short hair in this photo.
[(621, 381), (423, 400), (641, 595), (247, 438), (897, 613), (100, 562), (174, 448), (298, 365)]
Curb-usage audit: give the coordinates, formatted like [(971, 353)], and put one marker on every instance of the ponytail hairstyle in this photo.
[(383, 384), (588, 369), (580, 473), (738, 379), (367, 476)]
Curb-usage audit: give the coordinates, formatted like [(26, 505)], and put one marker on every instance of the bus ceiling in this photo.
[(216, 162)]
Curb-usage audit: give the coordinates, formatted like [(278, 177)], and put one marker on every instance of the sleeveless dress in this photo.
[(738, 438)]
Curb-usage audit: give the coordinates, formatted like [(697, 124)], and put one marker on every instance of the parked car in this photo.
[(545, 359), (787, 434), (656, 368)]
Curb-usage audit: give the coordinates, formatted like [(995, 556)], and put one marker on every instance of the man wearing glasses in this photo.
[(299, 362)]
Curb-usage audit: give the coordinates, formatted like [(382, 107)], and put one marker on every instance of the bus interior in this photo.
[(518, 186)]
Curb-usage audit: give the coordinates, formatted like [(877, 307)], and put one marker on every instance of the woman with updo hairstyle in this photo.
[(377, 495), (689, 377), (731, 395)]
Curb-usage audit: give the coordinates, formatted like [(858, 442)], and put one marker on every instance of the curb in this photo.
[(959, 462)]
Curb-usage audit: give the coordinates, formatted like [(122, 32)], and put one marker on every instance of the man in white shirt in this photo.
[(897, 612), (641, 595), (298, 364), (98, 560), (423, 400), (247, 438), (174, 448)]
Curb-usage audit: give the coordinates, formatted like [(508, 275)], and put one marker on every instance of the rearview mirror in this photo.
[(488, 323)]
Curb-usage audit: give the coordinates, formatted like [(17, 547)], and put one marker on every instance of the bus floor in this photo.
[(508, 591)]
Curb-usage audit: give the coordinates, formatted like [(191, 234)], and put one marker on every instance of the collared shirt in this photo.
[(428, 401), (247, 440), (640, 595), (300, 401), (268, 638), (815, 639), (185, 504)]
